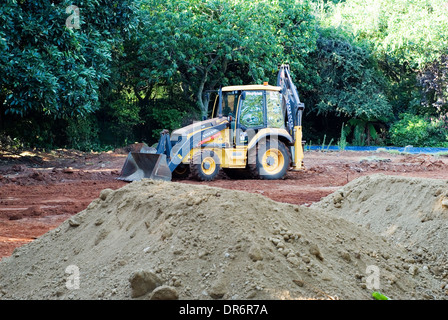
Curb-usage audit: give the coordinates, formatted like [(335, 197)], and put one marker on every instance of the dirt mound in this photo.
[(411, 212), (171, 240)]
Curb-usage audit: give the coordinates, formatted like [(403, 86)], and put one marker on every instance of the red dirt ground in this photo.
[(38, 191)]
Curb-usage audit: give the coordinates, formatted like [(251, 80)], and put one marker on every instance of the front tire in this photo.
[(269, 161), (181, 172), (205, 165)]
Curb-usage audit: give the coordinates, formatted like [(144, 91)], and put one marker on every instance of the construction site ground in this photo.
[(40, 190)]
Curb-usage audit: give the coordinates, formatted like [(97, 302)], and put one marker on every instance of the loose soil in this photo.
[(410, 212), (41, 192)]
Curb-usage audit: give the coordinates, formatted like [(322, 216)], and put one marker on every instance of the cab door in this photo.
[(258, 110), (251, 116)]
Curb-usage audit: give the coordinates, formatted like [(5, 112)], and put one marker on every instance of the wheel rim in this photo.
[(273, 161), (208, 165)]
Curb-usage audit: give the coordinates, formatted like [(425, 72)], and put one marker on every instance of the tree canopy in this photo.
[(413, 31), (54, 70), (205, 44)]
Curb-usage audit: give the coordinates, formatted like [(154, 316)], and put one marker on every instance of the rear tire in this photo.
[(205, 165), (269, 161)]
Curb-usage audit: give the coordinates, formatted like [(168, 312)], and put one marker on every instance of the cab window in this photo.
[(274, 110), (251, 115), (229, 103)]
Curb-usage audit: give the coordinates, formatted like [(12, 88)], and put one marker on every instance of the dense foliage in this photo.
[(409, 41), (51, 74), (377, 69)]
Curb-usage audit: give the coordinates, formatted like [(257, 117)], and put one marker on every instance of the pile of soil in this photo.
[(168, 240), (411, 212)]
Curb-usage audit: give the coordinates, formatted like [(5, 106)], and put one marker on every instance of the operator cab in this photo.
[(250, 108)]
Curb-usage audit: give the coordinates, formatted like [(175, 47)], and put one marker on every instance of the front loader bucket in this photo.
[(140, 165)]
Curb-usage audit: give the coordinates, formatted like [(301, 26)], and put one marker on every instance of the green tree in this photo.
[(408, 41), (50, 71), (350, 83), (415, 31), (408, 38), (53, 69), (200, 45)]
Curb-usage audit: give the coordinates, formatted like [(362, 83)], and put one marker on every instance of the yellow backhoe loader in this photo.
[(254, 131)]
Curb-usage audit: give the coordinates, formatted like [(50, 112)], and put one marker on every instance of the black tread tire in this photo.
[(255, 167), (196, 169), (181, 172)]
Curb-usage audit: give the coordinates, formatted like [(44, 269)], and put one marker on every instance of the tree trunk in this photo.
[(200, 96), (2, 111), (202, 100)]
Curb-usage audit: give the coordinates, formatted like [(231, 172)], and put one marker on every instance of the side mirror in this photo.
[(243, 95)]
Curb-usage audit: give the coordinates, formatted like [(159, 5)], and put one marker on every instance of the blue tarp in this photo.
[(408, 149)]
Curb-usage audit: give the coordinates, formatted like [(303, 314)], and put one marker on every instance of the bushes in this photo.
[(420, 131), (163, 114), (82, 133)]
